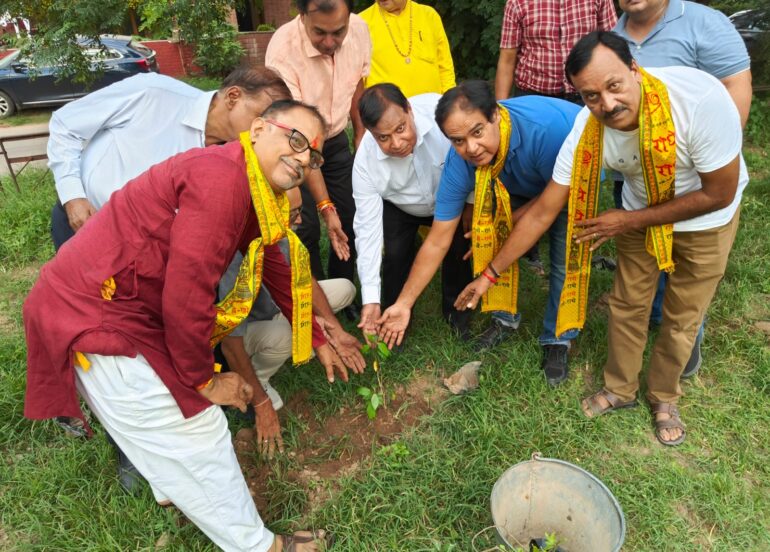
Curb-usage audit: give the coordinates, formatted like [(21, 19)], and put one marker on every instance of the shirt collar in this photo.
[(675, 10), (513, 145), (199, 112), (423, 124)]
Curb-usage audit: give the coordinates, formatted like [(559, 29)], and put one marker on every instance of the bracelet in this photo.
[(488, 277), (325, 204), (263, 402), (204, 385), (492, 268)]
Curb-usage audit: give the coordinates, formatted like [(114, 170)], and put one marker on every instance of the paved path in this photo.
[(24, 147)]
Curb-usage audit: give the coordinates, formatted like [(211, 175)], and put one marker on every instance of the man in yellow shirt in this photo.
[(410, 47)]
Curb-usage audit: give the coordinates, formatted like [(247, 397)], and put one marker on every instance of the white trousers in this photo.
[(268, 342), (189, 461)]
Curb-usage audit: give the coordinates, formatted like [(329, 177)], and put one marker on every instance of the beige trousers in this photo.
[(268, 342), (700, 260)]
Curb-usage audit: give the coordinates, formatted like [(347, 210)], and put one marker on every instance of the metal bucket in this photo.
[(545, 495)]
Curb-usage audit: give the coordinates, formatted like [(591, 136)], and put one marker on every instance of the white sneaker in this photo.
[(273, 395)]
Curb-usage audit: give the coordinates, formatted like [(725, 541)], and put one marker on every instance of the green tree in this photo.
[(60, 23)]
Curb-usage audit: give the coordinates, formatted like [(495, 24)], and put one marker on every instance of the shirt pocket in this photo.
[(126, 284)]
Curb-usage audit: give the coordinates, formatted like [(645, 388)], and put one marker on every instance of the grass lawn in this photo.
[(27, 117), (426, 487)]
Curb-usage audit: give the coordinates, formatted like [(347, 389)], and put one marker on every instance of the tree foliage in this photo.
[(60, 23)]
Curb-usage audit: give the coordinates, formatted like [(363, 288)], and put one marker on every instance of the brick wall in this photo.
[(176, 59), (276, 12), (254, 45)]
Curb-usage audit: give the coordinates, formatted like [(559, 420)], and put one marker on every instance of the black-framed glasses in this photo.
[(300, 144)]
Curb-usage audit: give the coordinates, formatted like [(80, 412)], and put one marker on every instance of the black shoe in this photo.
[(352, 312), (130, 478), (603, 263), (693, 365), (459, 322), (73, 427), (555, 364), (496, 333)]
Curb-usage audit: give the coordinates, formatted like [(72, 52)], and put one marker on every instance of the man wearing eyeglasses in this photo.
[(323, 56), (125, 314), (261, 344)]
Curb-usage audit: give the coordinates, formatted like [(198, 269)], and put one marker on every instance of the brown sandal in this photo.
[(673, 422), (290, 542), (597, 409)]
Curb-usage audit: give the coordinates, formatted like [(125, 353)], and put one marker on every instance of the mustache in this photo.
[(615, 111), (293, 164)]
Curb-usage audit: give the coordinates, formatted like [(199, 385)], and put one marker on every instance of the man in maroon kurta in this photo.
[(166, 238)]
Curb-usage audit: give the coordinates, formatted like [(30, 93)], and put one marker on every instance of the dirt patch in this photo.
[(7, 326), (27, 272), (336, 447), (763, 326)]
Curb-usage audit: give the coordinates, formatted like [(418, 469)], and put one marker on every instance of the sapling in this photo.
[(378, 352)]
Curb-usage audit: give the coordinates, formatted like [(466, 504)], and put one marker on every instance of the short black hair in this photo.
[(468, 96), (375, 101), (323, 6), (583, 50), (282, 106), (253, 81)]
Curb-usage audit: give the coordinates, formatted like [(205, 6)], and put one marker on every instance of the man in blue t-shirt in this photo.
[(663, 33), (468, 116)]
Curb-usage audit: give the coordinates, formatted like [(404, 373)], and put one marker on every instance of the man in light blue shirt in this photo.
[(101, 141), (468, 116), (663, 33)]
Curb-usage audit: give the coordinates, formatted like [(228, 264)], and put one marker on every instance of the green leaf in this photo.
[(383, 350), (364, 392), (371, 412), (371, 338), (365, 349), (375, 401)]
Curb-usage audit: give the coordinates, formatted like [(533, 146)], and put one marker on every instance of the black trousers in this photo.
[(60, 226), (399, 232), (337, 171)]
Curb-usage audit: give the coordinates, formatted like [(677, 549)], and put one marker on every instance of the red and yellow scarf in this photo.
[(657, 145)]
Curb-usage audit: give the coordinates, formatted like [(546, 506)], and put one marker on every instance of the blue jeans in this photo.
[(557, 234)]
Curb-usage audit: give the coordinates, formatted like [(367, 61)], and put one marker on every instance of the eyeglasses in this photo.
[(300, 144)]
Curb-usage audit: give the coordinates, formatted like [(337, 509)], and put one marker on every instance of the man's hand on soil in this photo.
[(268, 428)]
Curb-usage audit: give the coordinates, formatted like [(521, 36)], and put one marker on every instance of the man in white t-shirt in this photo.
[(709, 179)]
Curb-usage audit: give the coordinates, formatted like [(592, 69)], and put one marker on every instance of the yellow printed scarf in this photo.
[(273, 216), (491, 227), (657, 145)]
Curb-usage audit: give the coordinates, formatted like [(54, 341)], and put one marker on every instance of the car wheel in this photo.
[(7, 107)]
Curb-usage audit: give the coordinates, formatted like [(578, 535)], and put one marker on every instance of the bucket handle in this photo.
[(497, 548)]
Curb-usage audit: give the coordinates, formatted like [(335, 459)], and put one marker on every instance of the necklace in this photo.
[(406, 57)]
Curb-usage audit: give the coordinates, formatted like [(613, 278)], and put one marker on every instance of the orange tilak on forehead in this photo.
[(314, 143)]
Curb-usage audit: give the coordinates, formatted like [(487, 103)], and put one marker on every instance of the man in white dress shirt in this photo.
[(101, 141), (395, 177)]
